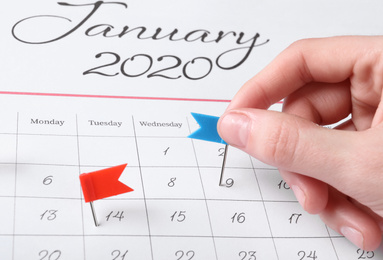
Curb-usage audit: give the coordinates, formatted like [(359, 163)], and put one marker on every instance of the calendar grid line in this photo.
[(264, 208), (15, 187), (158, 198), (81, 205), (134, 166), (170, 236), (204, 193), (93, 135), (143, 191), (96, 136), (332, 243)]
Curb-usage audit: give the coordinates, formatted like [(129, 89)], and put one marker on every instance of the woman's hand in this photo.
[(336, 173)]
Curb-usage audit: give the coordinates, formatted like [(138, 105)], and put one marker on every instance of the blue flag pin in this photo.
[(208, 132), (208, 128)]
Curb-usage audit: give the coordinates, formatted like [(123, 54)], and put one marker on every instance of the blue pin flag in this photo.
[(208, 128)]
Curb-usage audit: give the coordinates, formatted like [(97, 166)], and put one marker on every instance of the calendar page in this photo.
[(177, 209), (87, 85)]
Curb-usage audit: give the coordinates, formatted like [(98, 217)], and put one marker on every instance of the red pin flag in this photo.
[(102, 184)]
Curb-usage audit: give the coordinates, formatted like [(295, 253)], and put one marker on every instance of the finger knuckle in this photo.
[(282, 144)]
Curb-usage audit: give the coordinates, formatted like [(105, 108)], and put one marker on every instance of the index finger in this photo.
[(327, 60)]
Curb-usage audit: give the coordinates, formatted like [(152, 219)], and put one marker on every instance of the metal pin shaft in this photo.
[(93, 213), (223, 165)]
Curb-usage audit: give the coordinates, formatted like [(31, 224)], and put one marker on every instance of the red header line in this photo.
[(114, 97), (110, 96)]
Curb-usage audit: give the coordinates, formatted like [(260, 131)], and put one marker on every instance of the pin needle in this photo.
[(93, 213), (223, 165)]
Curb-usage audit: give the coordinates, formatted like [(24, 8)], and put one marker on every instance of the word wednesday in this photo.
[(160, 124), (241, 41)]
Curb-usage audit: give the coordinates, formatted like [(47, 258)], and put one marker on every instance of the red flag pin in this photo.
[(102, 184)]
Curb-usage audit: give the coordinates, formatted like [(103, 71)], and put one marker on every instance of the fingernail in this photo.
[(234, 129), (299, 194), (353, 235)]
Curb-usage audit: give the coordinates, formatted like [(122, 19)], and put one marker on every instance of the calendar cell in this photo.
[(178, 218), (237, 159), (245, 249), (166, 152), (168, 183), (116, 217), (48, 181), (117, 247), (6, 247), (7, 179), (347, 251), (305, 249), (8, 148), (46, 216), (7, 216), (211, 154), (107, 151), (49, 247), (288, 219), (183, 248), (47, 149), (238, 184), (273, 187), (11, 125), (238, 219)]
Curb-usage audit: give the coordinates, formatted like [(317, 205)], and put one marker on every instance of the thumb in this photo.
[(288, 142)]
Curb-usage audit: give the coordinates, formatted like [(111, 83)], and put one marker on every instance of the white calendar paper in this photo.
[(87, 85), (177, 209)]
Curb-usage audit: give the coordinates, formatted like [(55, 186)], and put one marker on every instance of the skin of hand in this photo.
[(336, 173)]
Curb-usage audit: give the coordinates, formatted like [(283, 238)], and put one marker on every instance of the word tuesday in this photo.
[(240, 39)]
